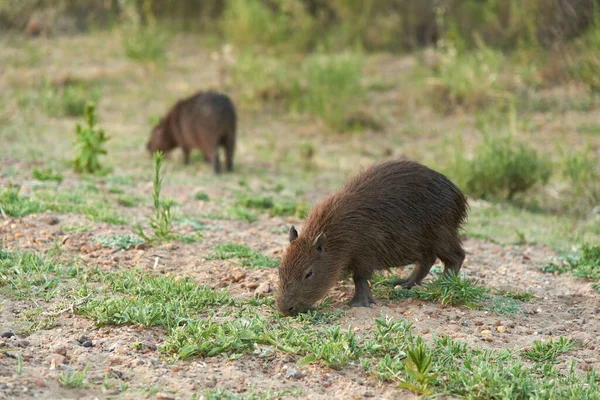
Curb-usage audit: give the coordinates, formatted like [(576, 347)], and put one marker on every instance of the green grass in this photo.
[(200, 321), (121, 242), (276, 208), (584, 264), (46, 174), (75, 379), (201, 196), (89, 144), (548, 351), (246, 256)]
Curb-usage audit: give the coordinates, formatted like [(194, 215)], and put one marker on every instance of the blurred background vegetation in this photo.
[(501, 95)]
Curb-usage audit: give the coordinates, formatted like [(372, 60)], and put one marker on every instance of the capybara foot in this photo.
[(403, 282), (362, 295)]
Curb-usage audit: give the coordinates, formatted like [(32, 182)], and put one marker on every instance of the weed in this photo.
[(264, 202), (201, 196), (247, 257), (121, 242), (46, 174), (75, 379), (13, 204), (276, 208), (515, 294), (418, 366), (127, 201), (334, 347), (585, 264), (146, 44), (501, 305), (548, 351), (451, 290), (240, 213), (501, 169), (162, 220), (333, 87), (89, 143)]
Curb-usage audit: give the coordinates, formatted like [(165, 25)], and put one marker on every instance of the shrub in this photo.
[(89, 143), (145, 44), (501, 169), (582, 169), (333, 87)]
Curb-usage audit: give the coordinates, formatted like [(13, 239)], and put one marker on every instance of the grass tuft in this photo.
[(247, 257)]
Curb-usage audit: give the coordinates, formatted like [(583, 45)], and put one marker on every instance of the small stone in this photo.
[(464, 323), (23, 343), (39, 382), (83, 339), (13, 226), (478, 323), (175, 368), (529, 331), (87, 343), (501, 329), (486, 332), (56, 359), (252, 285), (211, 382), (60, 349), (497, 323), (8, 334), (263, 288), (293, 373), (150, 346), (164, 396), (425, 331), (18, 235), (3, 386), (52, 220)]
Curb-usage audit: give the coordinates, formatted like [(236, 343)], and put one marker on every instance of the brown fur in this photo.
[(205, 121), (393, 214)]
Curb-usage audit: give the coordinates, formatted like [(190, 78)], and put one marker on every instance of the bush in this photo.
[(501, 169), (582, 169), (145, 44), (333, 87)]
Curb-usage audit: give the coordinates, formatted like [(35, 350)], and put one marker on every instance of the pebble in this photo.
[(39, 382), (23, 343), (211, 382), (252, 285), (8, 334), (3, 386), (52, 220), (425, 331), (486, 332), (83, 339), (501, 329), (164, 396), (464, 323), (293, 373), (263, 288), (60, 349), (478, 323), (87, 343), (56, 359)]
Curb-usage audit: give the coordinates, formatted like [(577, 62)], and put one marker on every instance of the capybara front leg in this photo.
[(217, 163), (362, 293)]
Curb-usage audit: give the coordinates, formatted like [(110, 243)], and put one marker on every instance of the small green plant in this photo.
[(161, 222), (75, 379), (68, 100), (122, 242), (89, 143), (13, 204), (548, 351), (201, 196), (276, 208), (46, 174), (584, 264), (501, 169), (247, 256), (146, 44), (452, 290), (418, 366)]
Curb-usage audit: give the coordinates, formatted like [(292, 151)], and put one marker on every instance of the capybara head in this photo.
[(161, 139), (305, 274)]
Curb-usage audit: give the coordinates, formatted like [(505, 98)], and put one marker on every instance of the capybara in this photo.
[(392, 214), (205, 121)]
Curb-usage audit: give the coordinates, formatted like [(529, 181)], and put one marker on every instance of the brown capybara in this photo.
[(205, 121), (393, 214)]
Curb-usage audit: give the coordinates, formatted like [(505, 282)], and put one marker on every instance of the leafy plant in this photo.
[(122, 242), (161, 222), (46, 174), (451, 290), (75, 379), (89, 143), (548, 351), (418, 366)]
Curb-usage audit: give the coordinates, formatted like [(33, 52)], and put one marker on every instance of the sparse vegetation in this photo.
[(247, 257), (46, 174), (147, 44), (89, 144)]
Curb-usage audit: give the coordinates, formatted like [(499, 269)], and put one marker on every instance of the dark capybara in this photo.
[(393, 214), (205, 121)]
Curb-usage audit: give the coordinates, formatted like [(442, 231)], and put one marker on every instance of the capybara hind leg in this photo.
[(417, 275), (217, 163), (454, 260), (362, 293), (186, 156), (229, 151)]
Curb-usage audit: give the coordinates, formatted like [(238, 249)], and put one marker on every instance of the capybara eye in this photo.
[(309, 274)]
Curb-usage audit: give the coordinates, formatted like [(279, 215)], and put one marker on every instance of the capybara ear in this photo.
[(293, 234), (319, 243)]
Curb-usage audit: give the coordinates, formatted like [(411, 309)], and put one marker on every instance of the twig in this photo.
[(3, 213), (155, 263), (71, 307)]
